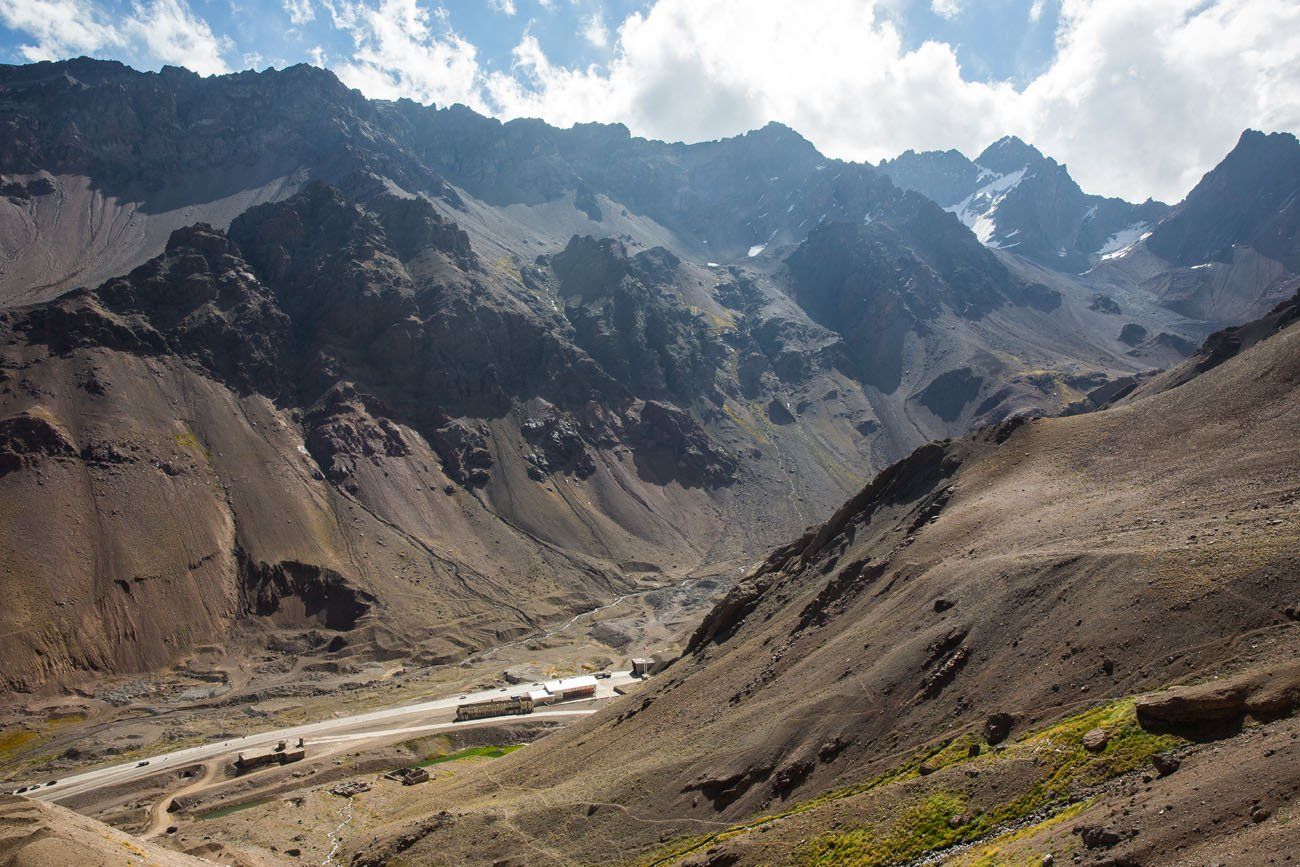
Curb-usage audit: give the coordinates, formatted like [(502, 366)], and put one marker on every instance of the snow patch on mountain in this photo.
[(1124, 240), (979, 210)]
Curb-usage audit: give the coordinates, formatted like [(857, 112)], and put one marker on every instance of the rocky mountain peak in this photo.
[(778, 134), (1009, 154), (1214, 218), (201, 237)]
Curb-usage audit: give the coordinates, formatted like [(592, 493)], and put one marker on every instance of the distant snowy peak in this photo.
[(1008, 154), (1013, 197)]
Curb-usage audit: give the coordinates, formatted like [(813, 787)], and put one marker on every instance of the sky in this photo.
[(1138, 97)]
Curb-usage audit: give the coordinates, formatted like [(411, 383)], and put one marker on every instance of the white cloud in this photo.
[(399, 51), (695, 69), (1144, 98), (299, 11), (595, 31), (1036, 10), (171, 33), (505, 7), (160, 31), (58, 28), (946, 8)]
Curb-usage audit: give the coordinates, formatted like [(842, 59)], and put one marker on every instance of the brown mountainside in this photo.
[(1046, 571)]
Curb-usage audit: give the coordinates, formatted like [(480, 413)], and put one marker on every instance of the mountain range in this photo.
[(391, 381), (585, 347)]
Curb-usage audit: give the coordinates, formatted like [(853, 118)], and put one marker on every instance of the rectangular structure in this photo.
[(514, 705)]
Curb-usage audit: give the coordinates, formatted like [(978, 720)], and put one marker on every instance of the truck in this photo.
[(515, 705)]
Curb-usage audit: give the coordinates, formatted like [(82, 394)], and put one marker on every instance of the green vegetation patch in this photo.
[(917, 829), (489, 752), (1069, 772), (921, 825), (993, 855)]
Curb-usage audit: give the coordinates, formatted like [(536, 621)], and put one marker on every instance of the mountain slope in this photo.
[(1046, 570), (233, 433), (102, 163), (1215, 218), (36, 834)]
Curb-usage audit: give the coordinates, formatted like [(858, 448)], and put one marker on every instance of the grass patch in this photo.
[(1069, 772), (222, 812), (490, 752), (13, 741), (917, 829), (73, 716), (992, 855), (745, 425), (920, 826)]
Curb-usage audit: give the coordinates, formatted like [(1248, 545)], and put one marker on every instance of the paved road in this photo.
[(321, 733)]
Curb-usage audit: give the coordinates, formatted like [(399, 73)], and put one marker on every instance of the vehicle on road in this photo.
[(142, 764)]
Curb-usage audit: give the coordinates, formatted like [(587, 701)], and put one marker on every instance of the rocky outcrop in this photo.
[(626, 313), (199, 300), (463, 448), (560, 447), (1265, 694), (28, 439), (344, 427), (293, 593), (675, 448)]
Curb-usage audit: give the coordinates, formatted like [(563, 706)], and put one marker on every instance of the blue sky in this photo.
[(1139, 99)]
